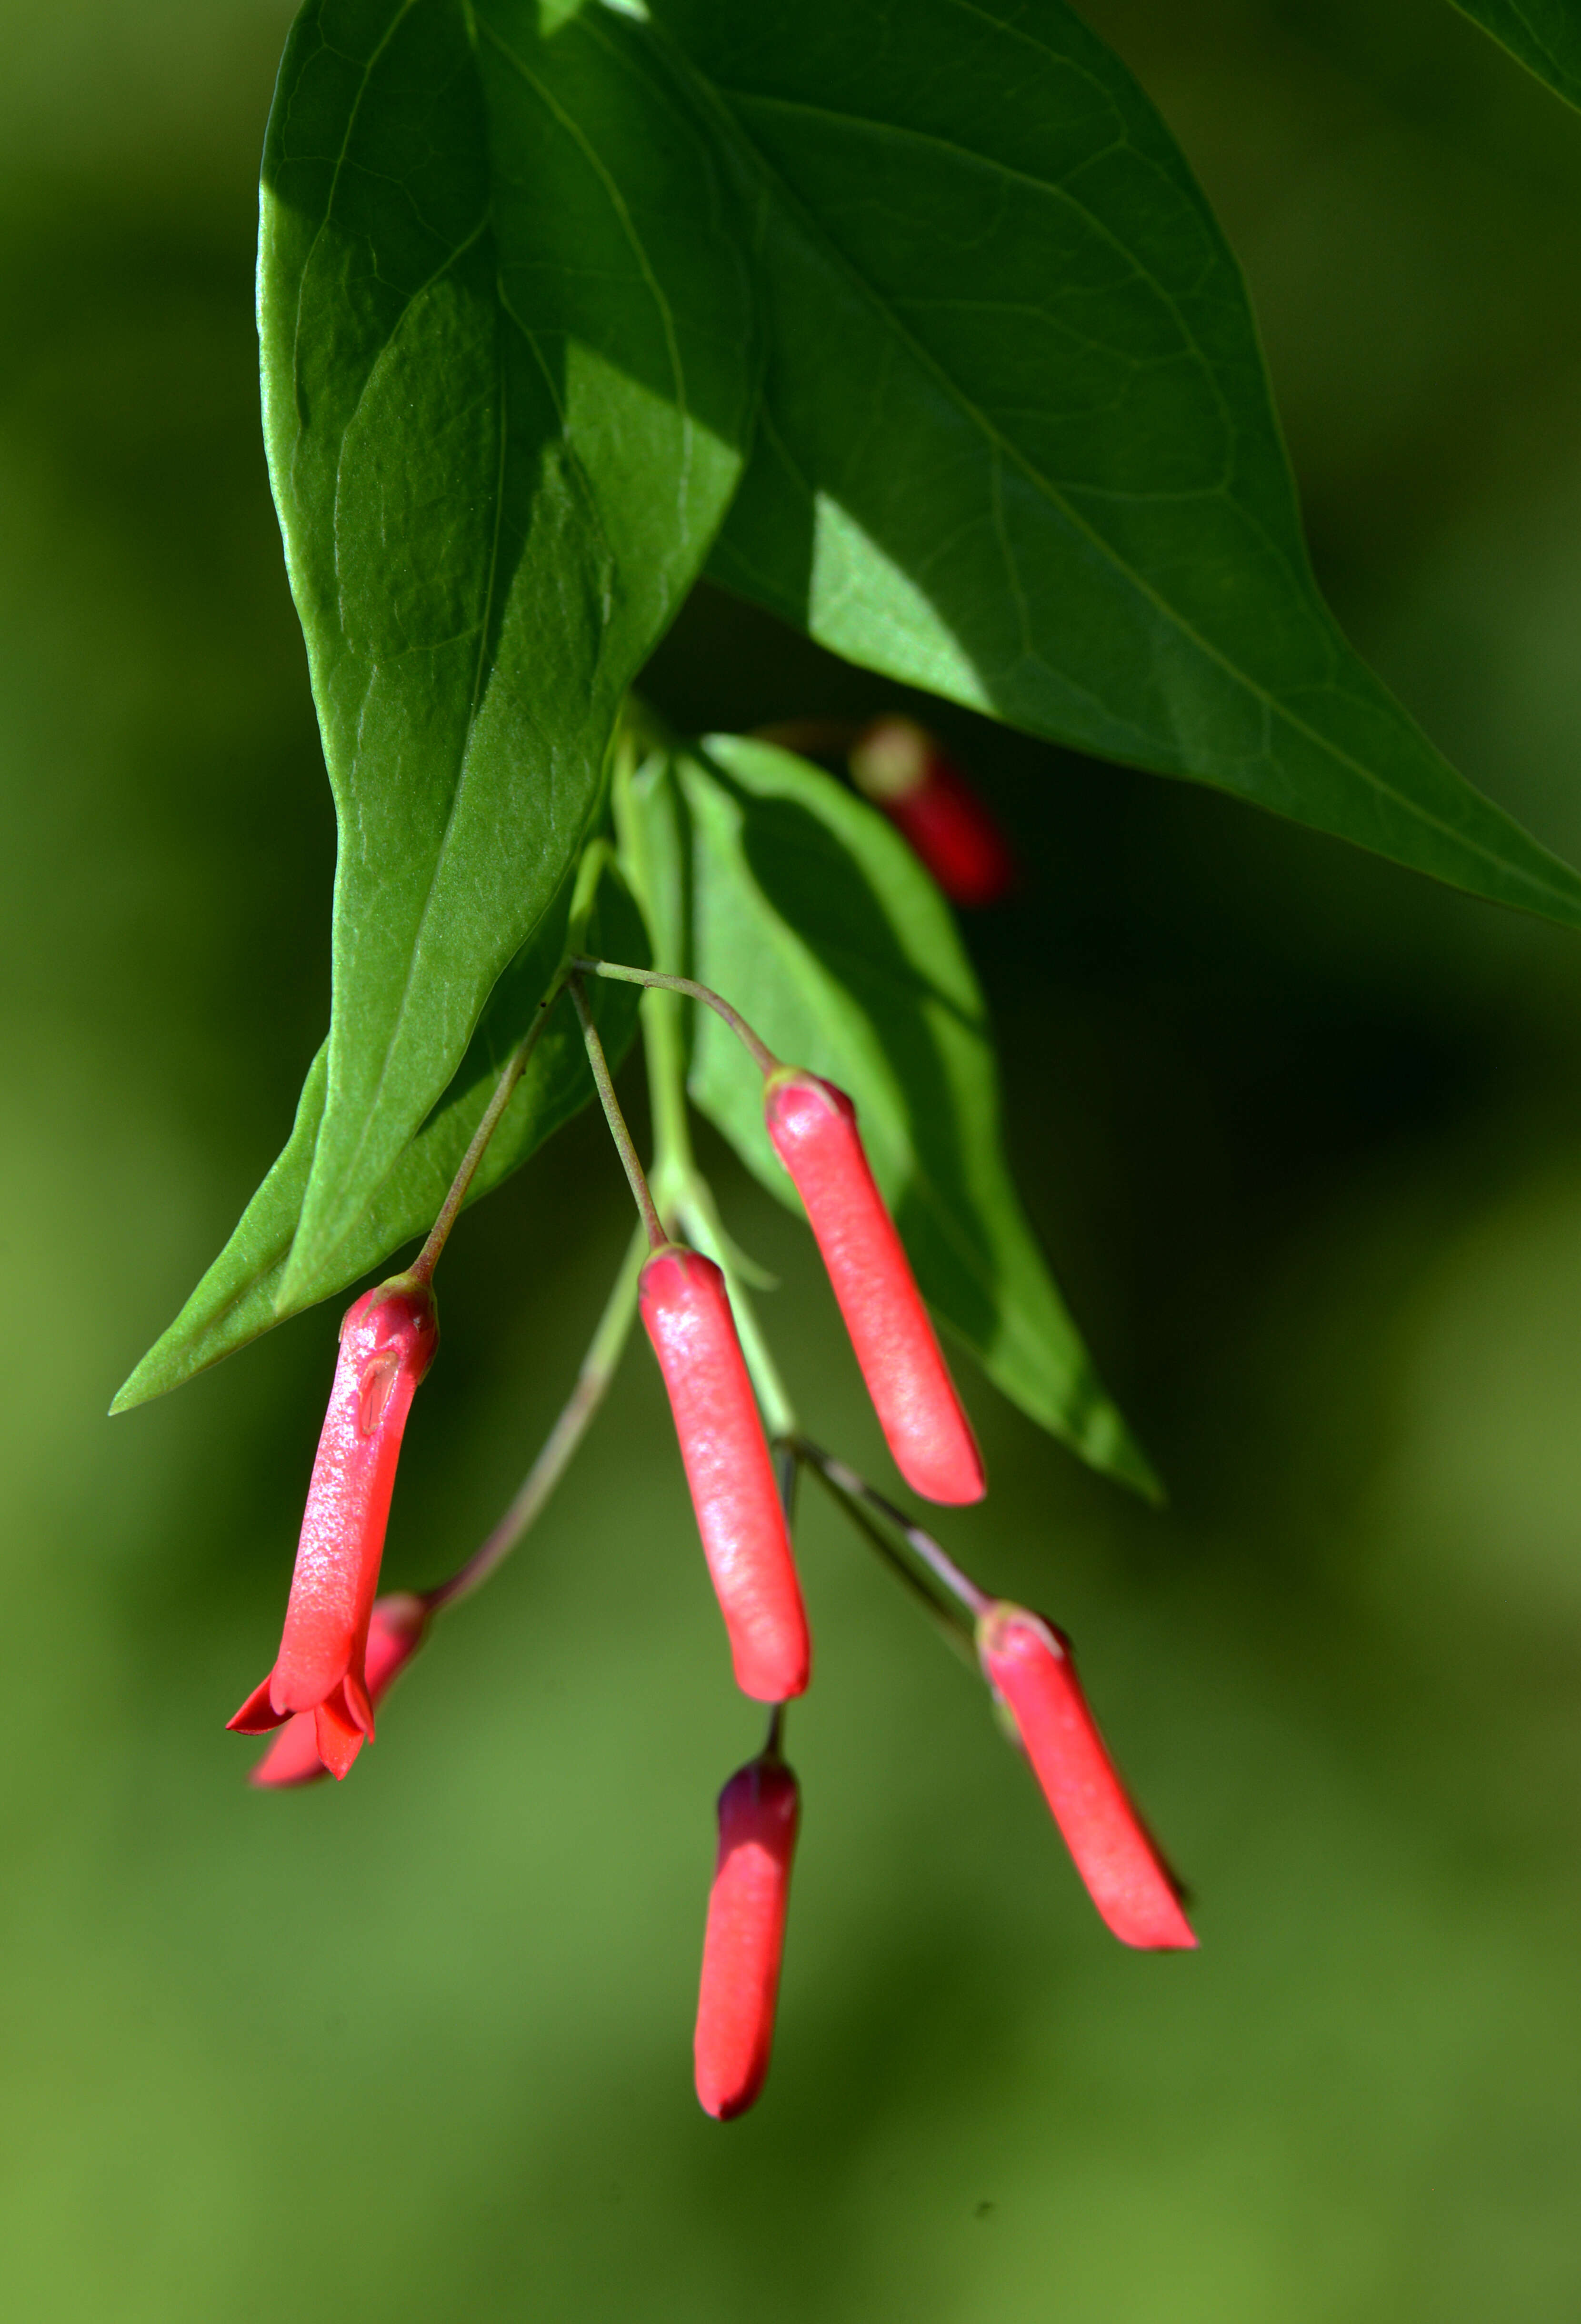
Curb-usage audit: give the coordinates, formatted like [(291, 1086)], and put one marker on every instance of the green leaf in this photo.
[(240, 1297), (508, 373), (1545, 34), (812, 915), (1016, 443)]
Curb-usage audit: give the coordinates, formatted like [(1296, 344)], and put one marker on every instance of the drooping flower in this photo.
[(396, 1629), (907, 774), (759, 1812), (687, 1312), (387, 1343), (1029, 1664), (814, 1129)]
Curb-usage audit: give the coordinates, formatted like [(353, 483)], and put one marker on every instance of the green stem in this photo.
[(659, 980), (682, 1194), (939, 1563), (877, 1521), (624, 1145), (422, 1268), (695, 1214), (789, 1467), (598, 1368), (663, 1051), (684, 1198)]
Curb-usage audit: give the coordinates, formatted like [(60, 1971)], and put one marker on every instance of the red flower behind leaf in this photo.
[(903, 770), (387, 1343)]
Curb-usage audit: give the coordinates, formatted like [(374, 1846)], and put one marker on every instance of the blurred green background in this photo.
[(1304, 1136)]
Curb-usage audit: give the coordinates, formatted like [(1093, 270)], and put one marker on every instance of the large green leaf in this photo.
[(508, 373), (241, 1296), (1545, 34), (1016, 443), (810, 913)]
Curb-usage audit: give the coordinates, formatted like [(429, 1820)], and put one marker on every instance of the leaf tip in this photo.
[(1120, 1456), (1151, 1486), (308, 1261), (136, 1388)]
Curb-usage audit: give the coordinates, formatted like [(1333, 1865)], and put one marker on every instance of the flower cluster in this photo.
[(343, 1647)]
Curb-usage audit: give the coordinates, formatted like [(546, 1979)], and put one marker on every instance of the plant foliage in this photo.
[(909, 322)]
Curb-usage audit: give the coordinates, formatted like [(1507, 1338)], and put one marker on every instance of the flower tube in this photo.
[(396, 1629), (759, 1812), (1028, 1664), (686, 1312), (814, 1129), (387, 1343)]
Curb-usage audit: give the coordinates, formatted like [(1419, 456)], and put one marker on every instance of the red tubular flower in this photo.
[(759, 1812), (1028, 1664), (814, 1127), (902, 769), (387, 1343), (686, 1313), (396, 1629)]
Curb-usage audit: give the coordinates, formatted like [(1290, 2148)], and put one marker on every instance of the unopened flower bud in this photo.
[(687, 1312), (396, 1629), (903, 770), (1028, 1664), (759, 1812), (814, 1128), (387, 1343)]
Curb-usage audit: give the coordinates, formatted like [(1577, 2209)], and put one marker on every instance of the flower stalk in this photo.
[(421, 1269)]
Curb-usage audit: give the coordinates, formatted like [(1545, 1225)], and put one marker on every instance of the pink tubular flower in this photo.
[(686, 1313), (1028, 1664), (902, 769), (387, 1343), (814, 1127), (396, 1629), (759, 1812)]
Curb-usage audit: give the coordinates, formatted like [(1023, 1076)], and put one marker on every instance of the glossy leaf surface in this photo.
[(1545, 34), (523, 272), (1016, 443), (813, 916), (507, 364), (240, 1296)]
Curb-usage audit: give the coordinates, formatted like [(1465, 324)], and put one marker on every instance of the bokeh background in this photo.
[(1304, 1136)]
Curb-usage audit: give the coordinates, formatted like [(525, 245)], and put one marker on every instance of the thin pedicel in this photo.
[(685, 1311)]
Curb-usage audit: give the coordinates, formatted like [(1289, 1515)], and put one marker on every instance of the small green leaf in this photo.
[(508, 374), (812, 915), (1545, 34), (236, 1300), (1016, 443)]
